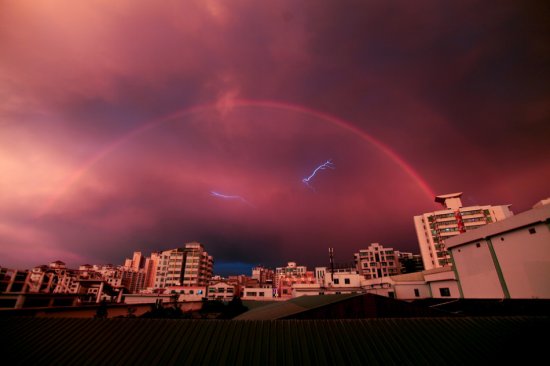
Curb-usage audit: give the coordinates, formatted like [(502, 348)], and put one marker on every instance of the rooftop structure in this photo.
[(507, 259), (434, 228)]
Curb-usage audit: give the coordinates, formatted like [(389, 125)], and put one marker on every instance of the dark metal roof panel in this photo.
[(54, 341)]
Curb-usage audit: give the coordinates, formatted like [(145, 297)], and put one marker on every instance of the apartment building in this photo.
[(377, 261), (434, 228), (187, 266)]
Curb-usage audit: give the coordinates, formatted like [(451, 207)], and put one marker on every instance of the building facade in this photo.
[(286, 277), (434, 228), (263, 275), (377, 261), (434, 283), (506, 260), (188, 266)]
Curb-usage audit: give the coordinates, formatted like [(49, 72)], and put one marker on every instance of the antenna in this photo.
[(331, 254)]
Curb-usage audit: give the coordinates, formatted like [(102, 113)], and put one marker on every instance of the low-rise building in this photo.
[(187, 293), (258, 293), (221, 290), (433, 283)]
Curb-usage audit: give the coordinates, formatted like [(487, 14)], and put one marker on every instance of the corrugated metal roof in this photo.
[(292, 306), (54, 341)]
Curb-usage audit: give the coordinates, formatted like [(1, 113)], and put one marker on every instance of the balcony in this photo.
[(447, 234), (472, 215), (447, 225), (475, 223)]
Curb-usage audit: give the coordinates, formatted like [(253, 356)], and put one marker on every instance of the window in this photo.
[(336, 281), (445, 292), (250, 294), (416, 293), (532, 231), (478, 245), (261, 294), (191, 292), (346, 281)]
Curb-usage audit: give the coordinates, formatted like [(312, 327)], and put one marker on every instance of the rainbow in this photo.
[(233, 103)]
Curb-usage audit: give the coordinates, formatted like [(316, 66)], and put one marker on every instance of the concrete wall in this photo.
[(267, 293), (146, 299), (452, 285), (525, 261), (405, 291), (423, 241), (477, 274), (380, 291)]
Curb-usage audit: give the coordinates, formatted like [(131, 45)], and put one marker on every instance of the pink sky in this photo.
[(117, 120)]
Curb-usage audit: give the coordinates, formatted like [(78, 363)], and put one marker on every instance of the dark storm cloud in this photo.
[(458, 89)]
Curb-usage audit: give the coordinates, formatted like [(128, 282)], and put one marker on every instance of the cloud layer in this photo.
[(117, 120)]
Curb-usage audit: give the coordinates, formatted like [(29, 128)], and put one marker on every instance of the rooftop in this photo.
[(533, 216), (442, 197), (124, 341)]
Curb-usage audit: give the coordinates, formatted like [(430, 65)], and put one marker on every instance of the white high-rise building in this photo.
[(188, 266), (433, 228)]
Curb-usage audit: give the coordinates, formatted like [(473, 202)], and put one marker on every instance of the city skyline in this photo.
[(128, 127)]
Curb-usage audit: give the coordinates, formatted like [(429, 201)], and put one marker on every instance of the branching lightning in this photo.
[(326, 165), (230, 197)]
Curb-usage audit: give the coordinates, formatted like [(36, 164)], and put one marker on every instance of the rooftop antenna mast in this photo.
[(331, 255)]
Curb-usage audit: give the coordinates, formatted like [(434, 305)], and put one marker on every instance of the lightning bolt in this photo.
[(326, 165), (230, 197)]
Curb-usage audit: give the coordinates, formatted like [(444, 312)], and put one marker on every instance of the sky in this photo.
[(123, 122)]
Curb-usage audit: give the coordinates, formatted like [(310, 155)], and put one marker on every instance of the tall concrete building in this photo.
[(199, 265), (263, 275), (377, 261), (151, 264), (138, 261), (188, 266), (434, 228)]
